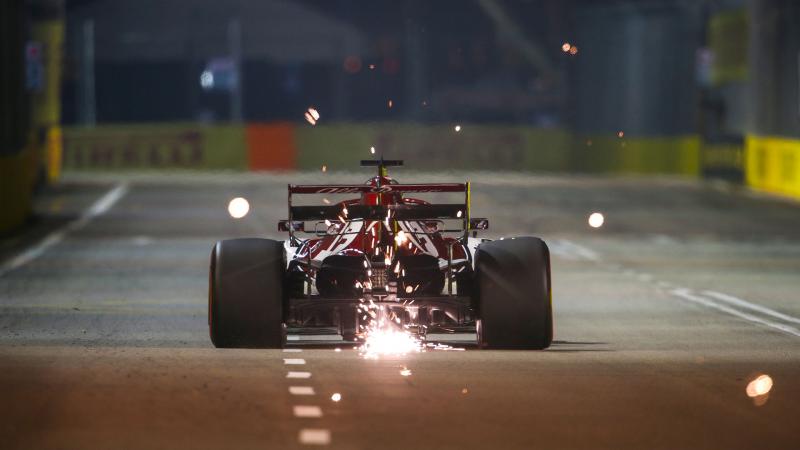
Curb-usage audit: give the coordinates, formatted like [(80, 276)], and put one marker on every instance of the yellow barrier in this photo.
[(638, 155), (471, 146), (155, 146), (772, 164), (17, 176), (341, 145)]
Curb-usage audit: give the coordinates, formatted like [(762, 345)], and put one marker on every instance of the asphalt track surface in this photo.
[(663, 316)]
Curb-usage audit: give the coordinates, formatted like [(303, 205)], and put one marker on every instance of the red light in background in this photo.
[(352, 64)]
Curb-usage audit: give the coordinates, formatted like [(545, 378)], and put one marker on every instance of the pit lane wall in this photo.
[(285, 146)]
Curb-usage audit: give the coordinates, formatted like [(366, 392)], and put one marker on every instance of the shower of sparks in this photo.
[(385, 338)]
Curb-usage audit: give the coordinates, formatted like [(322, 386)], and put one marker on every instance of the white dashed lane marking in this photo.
[(314, 436), (306, 411), (294, 361), (298, 375), (292, 350), (301, 390)]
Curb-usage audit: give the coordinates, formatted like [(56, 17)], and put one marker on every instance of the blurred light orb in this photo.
[(759, 386), (207, 80), (312, 115), (596, 220), (573, 50), (352, 64), (621, 134), (336, 397), (372, 150), (457, 128), (238, 208), (565, 47)]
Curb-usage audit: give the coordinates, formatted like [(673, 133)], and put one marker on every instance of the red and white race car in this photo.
[(418, 263)]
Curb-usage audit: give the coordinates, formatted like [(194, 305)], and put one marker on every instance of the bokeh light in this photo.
[(596, 220), (761, 385), (238, 207)]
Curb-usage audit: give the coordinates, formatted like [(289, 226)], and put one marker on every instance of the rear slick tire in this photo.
[(245, 294), (513, 294)]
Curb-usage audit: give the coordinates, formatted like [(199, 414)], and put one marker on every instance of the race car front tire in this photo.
[(513, 294), (245, 293)]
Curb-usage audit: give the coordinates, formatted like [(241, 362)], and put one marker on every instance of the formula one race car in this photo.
[(418, 263)]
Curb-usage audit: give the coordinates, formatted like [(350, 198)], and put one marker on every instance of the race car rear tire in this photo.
[(513, 294), (245, 294)]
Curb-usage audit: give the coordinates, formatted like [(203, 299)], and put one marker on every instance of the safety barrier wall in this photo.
[(772, 164), (18, 174), (438, 147), (622, 154), (284, 146), (161, 146)]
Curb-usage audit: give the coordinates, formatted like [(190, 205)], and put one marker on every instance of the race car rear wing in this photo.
[(299, 214), (379, 212), (363, 188)]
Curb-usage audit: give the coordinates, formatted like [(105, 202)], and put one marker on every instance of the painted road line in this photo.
[(751, 306), (571, 251), (314, 436), (294, 361), (688, 294), (306, 411), (301, 375), (301, 390), (101, 206), (292, 350)]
